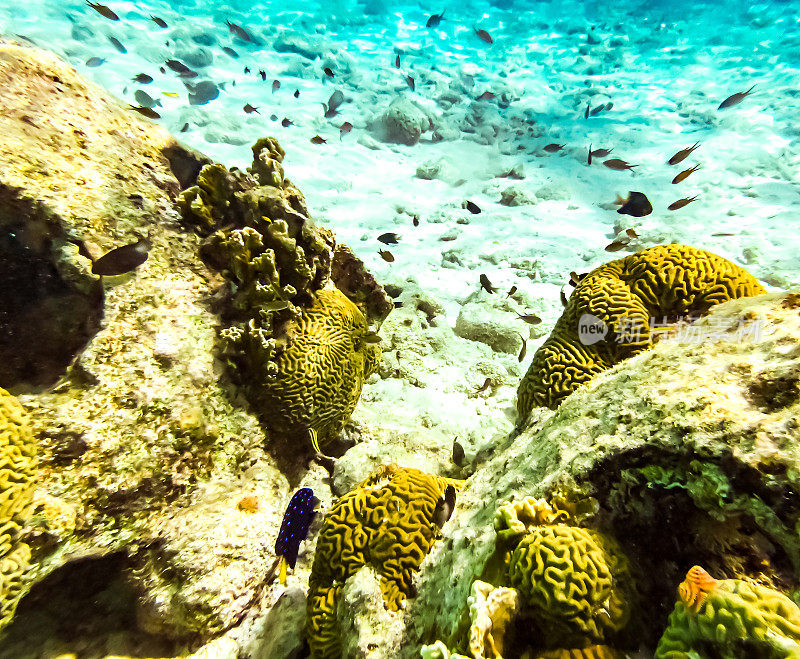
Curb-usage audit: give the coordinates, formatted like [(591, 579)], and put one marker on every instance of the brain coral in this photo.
[(730, 618), (577, 582), (664, 283), (17, 463), (386, 522)]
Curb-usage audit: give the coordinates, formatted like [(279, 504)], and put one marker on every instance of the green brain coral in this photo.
[(17, 463), (730, 619), (296, 344), (576, 580), (386, 522), (663, 283)]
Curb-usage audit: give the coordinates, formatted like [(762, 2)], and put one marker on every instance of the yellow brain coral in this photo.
[(663, 283), (17, 463), (576, 580), (730, 618), (315, 382), (386, 522)]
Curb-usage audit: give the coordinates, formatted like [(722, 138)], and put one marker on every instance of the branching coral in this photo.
[(294, 341), (388, 522), (730, 618), (663, 283), (17, 464)]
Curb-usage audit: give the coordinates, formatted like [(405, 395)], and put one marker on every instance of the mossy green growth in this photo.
[(386, 522), (730, 619), (17, 465), (664, 283)]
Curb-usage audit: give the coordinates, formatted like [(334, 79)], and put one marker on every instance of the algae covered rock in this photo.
[(611, 315), (730, 618)]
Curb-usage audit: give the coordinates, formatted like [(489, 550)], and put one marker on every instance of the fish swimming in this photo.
[(150, 113), (250, 109), (458, 453), (597, 110), (618, 165), (589, 159), (682, 154), (615, 246), (444, 506), (294, 529), (588, 108), (158, 21), (388, 238), (144, 99), (181, 69), (486, 96), (296, 93), (345, 128), (397, 62), (511, 291), (94, 61), (202, 92), (118, 45), (410, 82), (122, 259), (328, 72), (472, 207), (553, 148), (435, 19), (530, 318), (263, 74), (286, 122), (318, 140), (142, 79), (637, 204), (685, 174), (276, 85), (486, 285), (735, 99), (675, 205), (523, 350), (104, 11), (601, 153), (238, 31), (336, 99), (483, 35), (230, 52), (386, 255), (631, 233)]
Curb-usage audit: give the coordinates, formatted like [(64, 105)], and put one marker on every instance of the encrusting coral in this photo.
[(620, 300), (730, 618), (17, 463), (299, 347), (388, 522)]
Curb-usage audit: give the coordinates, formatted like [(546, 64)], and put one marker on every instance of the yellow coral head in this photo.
[(695, 587)]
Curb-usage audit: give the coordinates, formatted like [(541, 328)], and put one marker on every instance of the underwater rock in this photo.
[(403, 122), (684, 452), (299, 44), (497, 329), (516, 195)]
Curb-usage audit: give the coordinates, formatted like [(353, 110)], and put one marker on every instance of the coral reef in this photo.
[(387, 522), (491, 610), (730, 618), (296, 344), (17, 469), (621, 299)]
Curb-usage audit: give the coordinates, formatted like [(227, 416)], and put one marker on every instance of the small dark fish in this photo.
[(530, 318), (142, 79), (486, 285), (118, 45), (445, 506), (250, 109), (388, 238), (144, 99), (588, 109), (181, 69), (609, 105), (415, 221), (601, 153), (675, 205), (563, 298), (410, 82), (722, 234), (486, 96), (158, 21), (682, 154), (735, 99), (238, 31), (552, 148), (486, 384), (202, 92), (318, 140), (150, 113), (276, 85), (511, 291), (104, 11), (247, 69), (589, 159), (372, 337), (434, 20), (345, 128), (122, 259), (597, 110), (458, 453), (386, 255), (336, 99), (286, 122), (685, 174), (328, 72), (94, 61), (524, 349), (162, 69), (483, 35), (296, 93), (230, 52), (637, 204), (294, 528), (397, 62), (472, 207), (618, 165), (185, 127), (615, 246), (631, 233), (575, 278), (263, 74), (327, 112)]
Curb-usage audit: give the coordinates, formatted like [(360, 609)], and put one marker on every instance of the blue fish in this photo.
[(294, 529)]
